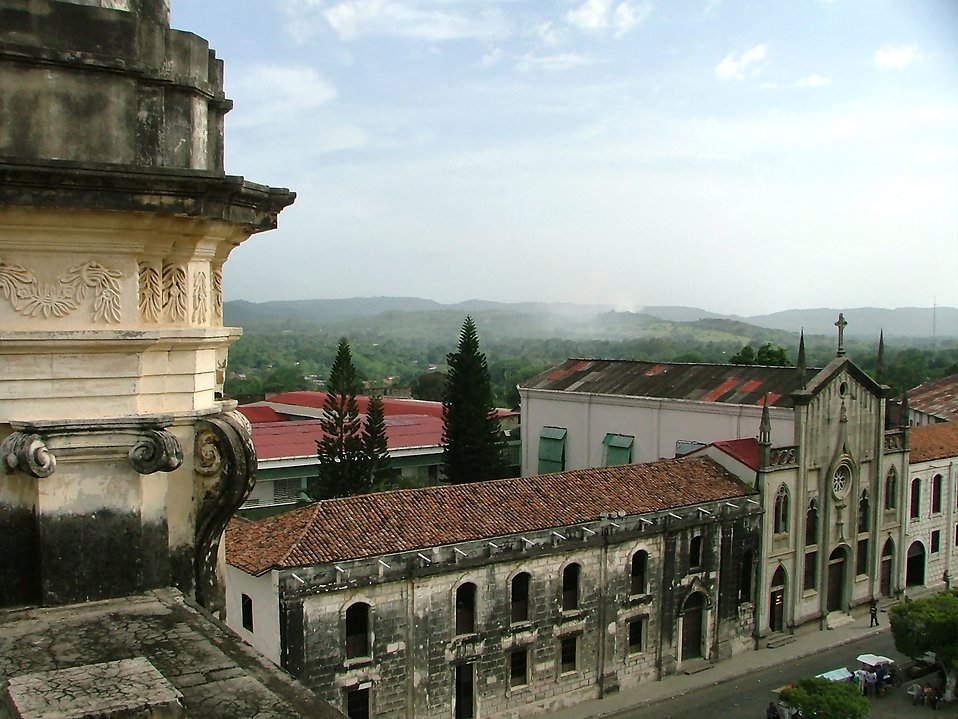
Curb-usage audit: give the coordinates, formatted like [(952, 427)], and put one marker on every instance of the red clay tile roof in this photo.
[(402, 520), (732, 384), (275, 440), (938, 398), (933, 441)]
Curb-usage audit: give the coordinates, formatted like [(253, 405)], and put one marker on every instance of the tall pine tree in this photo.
[(343, 462), (375, 446), (472, 444)]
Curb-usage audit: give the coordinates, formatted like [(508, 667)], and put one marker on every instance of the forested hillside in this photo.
[(408, 346)]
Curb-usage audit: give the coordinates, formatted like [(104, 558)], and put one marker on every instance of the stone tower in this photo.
[(121, 463)]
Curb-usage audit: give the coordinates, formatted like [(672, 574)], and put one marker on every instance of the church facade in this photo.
[(812, 443), (508, 598)]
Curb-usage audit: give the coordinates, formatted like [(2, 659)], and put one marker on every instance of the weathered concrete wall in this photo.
[(410, 670)]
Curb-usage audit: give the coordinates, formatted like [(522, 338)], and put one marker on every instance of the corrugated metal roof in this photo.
[(278, 440), (732, 384), (376, 524), (938, 398), (391, 405)]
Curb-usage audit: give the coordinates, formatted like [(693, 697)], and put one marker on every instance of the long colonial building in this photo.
[(505, 598)]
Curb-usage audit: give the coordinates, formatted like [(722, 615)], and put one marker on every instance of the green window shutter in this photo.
[(551, 450), (618, 449)]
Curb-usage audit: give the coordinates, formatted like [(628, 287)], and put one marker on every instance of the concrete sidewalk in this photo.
[(739, 666)]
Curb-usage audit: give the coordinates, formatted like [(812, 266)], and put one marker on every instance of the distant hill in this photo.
[(914, 322), (419, 317)]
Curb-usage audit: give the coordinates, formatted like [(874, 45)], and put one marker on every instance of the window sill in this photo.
[(569, 615), (355, 662)]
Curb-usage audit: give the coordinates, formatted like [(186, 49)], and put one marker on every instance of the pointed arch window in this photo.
[(936, 486), (811, 523), (781, 510), (914, 511), (891, 489), (863, 512)]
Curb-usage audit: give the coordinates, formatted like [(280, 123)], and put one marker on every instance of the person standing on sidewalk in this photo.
[(873, 611)]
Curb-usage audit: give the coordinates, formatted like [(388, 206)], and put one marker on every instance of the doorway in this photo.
[(887, 559), (776, 601), (835, 601), (915, 565), (692, 624)]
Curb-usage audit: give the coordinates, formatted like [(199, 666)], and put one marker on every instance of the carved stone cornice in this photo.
[(27, 453), (224, 455), (147, 444)]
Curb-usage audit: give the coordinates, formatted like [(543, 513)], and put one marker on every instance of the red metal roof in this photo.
[(391, 405), (260, 413), (277, 440), (743, 450), (938, 398), (387, 522)]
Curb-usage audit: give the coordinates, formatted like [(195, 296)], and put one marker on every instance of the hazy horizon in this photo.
[(731, 156)]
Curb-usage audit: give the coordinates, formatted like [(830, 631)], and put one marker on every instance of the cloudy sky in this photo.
[(740, 156)]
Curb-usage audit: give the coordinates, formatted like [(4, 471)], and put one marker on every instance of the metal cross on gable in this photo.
[(841, 325)]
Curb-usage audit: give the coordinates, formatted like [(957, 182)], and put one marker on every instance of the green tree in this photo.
[(343, 462), (929, 625), (746, 355), (825, 699), (430, 386), (375, 445), (472, 444), (771, 355)]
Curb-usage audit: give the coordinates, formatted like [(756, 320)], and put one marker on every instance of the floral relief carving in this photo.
[(174, 291), (151, 293), (200, 298), (30, 297), (217, 291)]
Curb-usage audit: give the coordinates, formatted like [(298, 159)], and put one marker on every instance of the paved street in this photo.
[(748, 696)]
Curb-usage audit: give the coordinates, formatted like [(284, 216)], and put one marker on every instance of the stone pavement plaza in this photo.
[(896, 705)]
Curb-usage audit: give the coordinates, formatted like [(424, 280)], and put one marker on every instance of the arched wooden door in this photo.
[(776, 601), (837, 561), (693, 621), (887, 567)]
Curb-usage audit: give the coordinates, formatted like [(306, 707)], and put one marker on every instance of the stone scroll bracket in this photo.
[(224, 456), (33, 447)]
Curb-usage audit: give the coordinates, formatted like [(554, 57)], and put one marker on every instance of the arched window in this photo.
[(781, 510), (466, 609), (811, 523), (695, 552), (357, 630), (570, 587), (915, 510), (520, 597), (639, 579), (863, 512), (936, 483), (891, 489)]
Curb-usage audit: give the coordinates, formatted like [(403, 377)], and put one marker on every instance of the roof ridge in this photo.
[(295, 543)]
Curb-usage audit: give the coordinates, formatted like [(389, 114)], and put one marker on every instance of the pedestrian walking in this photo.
[(873, 611)]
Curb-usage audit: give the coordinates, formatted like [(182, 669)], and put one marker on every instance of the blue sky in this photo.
[(744, 157)]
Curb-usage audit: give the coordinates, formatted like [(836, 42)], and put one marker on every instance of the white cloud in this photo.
[(738, 67), (814, 81), (270, 94), (564, 61), (895, 57), (421, 19), (593, 15)]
